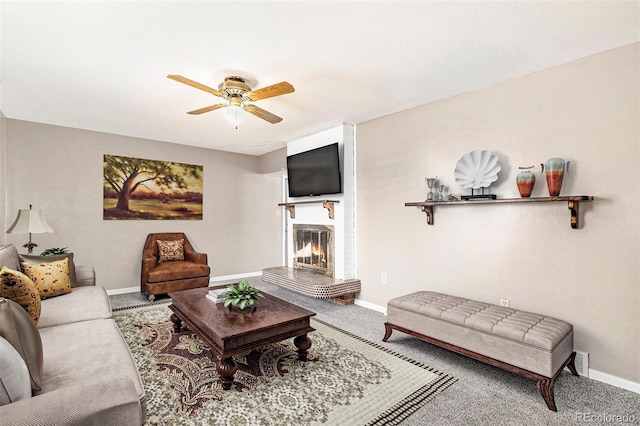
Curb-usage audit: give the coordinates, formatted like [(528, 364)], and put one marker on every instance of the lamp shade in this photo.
[(235, 115), (29, 222)]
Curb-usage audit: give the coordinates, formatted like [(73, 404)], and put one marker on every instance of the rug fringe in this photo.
[(142, 305)]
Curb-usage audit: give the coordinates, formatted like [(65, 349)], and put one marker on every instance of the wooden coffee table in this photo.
[(231, 333)]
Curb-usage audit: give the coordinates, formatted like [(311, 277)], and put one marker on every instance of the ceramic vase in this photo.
[(554, 171), (525, 180)]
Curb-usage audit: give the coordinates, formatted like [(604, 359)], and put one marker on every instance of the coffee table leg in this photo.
[(177, 323), (226, 368), (303, 343)]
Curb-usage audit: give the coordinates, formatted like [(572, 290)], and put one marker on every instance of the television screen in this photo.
[(315, 172)]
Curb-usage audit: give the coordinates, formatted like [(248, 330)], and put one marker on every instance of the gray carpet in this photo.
[(482, 394)]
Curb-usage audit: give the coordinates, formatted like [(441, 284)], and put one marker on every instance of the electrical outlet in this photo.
[(383, 278), (504, 302)]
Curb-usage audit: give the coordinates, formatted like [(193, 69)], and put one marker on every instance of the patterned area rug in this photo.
[(347, 380)]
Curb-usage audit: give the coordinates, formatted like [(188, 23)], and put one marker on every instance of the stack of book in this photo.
[(216, 295)]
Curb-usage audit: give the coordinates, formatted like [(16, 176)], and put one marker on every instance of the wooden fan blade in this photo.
[(207, 109), (264, 114), (192, 83), (278, 89)]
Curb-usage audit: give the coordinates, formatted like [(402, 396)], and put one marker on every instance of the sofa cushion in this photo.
[(14, 375), (84, 349), (16, 286), (50, 278), (171, 250), (83, 304), (18, 329), (9, 257), (32, 258), (169, 271)]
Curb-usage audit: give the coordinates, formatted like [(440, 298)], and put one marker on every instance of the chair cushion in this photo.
[(170, 271), (50, 278), (18, 329), (170, 250), (15, 384), (32, 258), (18, 287)]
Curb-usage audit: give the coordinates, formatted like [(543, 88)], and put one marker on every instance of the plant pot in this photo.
[(246, 310)]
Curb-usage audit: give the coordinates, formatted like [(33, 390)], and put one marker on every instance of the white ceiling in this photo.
[(102, 65)]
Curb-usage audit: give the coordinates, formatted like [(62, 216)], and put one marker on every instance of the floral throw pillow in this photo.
[(171, 250), (50, 278), (16, 286)]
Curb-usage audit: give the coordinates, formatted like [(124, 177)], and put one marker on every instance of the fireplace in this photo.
[(313, 248)]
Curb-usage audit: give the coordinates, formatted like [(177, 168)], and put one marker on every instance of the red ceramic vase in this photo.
[(525, 181), (554, 171)]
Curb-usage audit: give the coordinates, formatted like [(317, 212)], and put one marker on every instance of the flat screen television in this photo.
[(315, 172)]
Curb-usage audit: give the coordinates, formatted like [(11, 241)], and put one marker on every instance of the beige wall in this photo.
[(273, 162), (59, 170), (584, 111)]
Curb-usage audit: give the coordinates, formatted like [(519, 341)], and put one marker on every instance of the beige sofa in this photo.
[(88, 376)]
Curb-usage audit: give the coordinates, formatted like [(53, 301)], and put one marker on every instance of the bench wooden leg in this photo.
[(387, 331), (571, 365), (545, 386)]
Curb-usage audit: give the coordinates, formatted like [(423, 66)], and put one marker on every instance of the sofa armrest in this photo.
[(95, 401), (85, 276)]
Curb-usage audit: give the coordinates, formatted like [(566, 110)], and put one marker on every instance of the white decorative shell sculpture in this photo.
[(477, 169)]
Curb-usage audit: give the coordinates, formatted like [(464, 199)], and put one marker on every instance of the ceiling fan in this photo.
[(238, 94)]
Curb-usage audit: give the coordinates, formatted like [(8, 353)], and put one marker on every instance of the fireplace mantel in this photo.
[(327, 204)]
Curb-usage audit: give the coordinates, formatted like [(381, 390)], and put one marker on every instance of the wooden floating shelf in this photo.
[(573, 202), (327, 204)]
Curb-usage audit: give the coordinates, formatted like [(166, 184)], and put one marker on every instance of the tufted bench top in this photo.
[(533, 329)]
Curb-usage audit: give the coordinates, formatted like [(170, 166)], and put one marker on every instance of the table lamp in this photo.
[(31, 222)]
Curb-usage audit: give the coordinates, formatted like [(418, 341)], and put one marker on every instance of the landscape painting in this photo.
[(138, 189)]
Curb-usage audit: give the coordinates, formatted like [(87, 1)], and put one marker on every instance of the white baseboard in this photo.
[(372, 306), (235, 277), (123, 290), (614, 381)]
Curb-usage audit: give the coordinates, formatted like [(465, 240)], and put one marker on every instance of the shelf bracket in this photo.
[(429, 211), (329, 206), (574, 206), (291, 209)]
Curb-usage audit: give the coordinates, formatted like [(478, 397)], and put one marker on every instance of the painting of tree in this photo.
[(138, 189)]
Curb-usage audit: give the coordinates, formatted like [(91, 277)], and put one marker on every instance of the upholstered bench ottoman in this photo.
[(531, 345)]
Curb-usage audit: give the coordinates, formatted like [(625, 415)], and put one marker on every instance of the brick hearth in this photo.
[(313, 284)]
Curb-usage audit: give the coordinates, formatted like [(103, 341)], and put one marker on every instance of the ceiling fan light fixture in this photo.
[(239, 97), (235, 114)]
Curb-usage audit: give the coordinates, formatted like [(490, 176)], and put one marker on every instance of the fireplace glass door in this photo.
[(313, 248)]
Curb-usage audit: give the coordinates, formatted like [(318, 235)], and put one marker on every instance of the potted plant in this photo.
[(54, 250), (242, 295)]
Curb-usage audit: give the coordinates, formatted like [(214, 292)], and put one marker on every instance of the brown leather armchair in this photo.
[(162, 277)]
